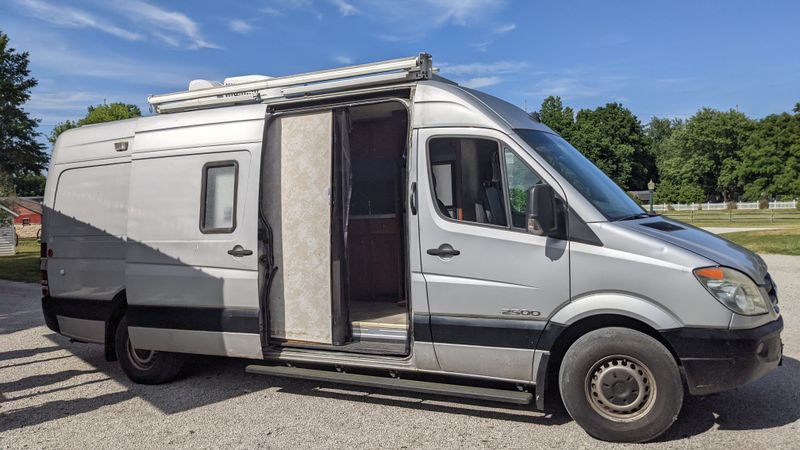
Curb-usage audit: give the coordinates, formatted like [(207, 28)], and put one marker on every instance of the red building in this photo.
[(27, 214)]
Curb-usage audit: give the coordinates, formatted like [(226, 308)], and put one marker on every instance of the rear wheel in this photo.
[(145, 366), (621, 385)]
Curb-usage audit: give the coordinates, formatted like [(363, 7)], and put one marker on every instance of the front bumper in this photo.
[(717, 360)]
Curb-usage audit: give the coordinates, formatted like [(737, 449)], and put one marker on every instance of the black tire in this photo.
[(145, 367), (621, 385)]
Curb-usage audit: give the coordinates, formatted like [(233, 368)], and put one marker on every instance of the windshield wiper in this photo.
[(632, 216)]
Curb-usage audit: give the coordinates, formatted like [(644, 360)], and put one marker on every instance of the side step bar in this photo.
[(399, 384)]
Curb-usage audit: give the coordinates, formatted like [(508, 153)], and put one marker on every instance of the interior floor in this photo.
[(383, 312)]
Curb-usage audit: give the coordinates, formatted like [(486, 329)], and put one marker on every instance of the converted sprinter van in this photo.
[(378, 224)]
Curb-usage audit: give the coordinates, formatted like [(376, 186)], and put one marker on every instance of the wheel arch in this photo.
[(557, 338), (616, 303)]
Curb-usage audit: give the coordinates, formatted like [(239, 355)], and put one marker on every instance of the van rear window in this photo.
[(218, 202)]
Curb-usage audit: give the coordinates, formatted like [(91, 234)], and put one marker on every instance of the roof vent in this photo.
[(195, 85)]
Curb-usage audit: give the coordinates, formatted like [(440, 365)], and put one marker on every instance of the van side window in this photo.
[(218, 202), (520, 180), (467, 179)]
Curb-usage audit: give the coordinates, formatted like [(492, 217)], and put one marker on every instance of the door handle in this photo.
[(414, 198), (444, 251), (239, 251)]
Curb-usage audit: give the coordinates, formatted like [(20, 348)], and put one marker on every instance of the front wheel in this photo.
[(621, 385), (145, 366)]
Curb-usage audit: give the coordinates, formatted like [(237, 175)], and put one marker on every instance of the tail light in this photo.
[(44, 253)]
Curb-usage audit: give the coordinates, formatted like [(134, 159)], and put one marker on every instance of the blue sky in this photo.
[(665, 58)]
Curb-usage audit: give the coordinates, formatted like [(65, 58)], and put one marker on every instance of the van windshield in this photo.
[(584, 176)]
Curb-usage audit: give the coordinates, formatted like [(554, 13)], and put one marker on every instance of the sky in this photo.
[(657, 58)]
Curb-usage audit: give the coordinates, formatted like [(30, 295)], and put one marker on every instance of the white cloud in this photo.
[(497, 33), (143, 19), (483, 69), (347, 60), (171, 27), (240, 26), (53, 106), (72, 77), (307, 6), (579, 85), (462, 12), (503, 29), (405, 37), (49, 54), (345, 8), (270, 11), (481, 74), (412, 20), (479, 82), (74, 18)]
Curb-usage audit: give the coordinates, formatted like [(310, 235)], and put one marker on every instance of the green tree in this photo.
[(769, 164), (6, 185), (97, 114), (614, 140), (60, 128), (21, 155), (669, 192), (704, 153), (658, 132), (554, 115), (30, 185)]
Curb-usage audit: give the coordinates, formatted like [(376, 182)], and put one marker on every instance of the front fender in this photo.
[(621, 304)]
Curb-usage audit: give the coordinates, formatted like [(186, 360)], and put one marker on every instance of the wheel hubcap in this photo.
[(620, 388), (141, 359)]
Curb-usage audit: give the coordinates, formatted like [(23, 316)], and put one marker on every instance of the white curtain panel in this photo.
[(297, 188)]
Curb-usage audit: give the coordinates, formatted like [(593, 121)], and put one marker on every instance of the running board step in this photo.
[(399, 384)]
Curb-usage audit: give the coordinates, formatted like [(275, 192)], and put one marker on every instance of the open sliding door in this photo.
[(296, 201)]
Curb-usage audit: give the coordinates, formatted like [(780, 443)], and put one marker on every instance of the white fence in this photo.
[(783, 205), (714, 206), (721, 206), (746, 205)]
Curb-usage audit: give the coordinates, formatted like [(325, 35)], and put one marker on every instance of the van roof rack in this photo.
[(269, 90)]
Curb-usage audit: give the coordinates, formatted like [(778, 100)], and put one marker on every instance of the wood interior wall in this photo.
[(375, 238)]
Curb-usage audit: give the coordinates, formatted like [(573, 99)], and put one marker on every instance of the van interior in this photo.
[(467, 180), (376, 266)]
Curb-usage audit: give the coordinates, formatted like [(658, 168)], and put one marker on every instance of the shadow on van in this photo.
[(185, 291)]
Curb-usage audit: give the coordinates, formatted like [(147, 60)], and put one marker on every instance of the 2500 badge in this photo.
[(519, 312)]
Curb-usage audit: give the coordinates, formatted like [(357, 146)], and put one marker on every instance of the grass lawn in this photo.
[(784, 242), (24, 266)]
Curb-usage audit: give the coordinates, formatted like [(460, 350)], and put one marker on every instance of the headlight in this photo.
[(733, 289)]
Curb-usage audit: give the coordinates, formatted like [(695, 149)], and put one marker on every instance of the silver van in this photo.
[(382, 226)]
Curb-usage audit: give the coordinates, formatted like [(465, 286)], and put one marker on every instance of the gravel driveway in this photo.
[(54, 393)]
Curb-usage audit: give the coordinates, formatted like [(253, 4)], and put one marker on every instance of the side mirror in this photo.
[(542, 211)]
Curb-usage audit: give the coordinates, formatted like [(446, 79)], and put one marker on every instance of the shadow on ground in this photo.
[(771, 402), (205, 380)]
